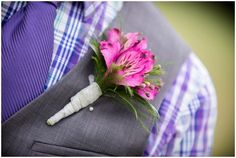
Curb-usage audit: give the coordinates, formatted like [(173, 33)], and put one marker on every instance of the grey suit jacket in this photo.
[(111, 129)]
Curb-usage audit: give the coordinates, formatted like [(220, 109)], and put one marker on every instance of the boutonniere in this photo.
[(124, 69)]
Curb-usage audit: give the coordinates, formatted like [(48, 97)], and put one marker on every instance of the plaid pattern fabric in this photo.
[(74, 25), (10, 8), (188, 112), (187, 115)]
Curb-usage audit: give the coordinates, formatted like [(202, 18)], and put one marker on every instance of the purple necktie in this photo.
[(27, 47)]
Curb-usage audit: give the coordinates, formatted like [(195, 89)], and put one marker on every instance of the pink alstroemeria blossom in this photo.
[(130, 53), (148, 91)]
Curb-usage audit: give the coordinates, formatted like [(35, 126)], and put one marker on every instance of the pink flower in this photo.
[(130, 54), (147, 91)]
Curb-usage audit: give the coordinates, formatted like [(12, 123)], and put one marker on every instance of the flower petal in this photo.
[(114, 35), (132, 80), (109, 51), (148, 60), (142, 44), (132, 38), (131, 63), (148, 92)]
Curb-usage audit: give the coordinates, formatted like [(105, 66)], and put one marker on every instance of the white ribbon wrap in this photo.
[(82, 99)]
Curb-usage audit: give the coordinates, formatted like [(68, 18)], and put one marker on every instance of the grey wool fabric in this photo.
[(111, 129)]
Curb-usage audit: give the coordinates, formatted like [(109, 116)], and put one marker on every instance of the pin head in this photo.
[(90, 108)]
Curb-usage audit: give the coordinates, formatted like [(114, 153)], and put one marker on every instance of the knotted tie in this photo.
[(27, 47)]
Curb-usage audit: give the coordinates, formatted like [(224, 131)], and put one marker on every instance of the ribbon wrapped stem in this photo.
[(82, 99)]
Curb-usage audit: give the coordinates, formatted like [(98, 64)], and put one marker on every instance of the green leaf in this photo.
[(104, 36), (115, 88), (148, 105), (145, 127), (99, 70), (96, 60), (120, 94), (126, 100), (129, 91), (156, 70), (100, 67), (95, 46)]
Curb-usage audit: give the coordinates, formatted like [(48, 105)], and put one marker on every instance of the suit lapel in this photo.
[(64, 89)]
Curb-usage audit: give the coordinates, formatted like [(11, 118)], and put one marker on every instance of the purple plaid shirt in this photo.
[(188, 111)]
